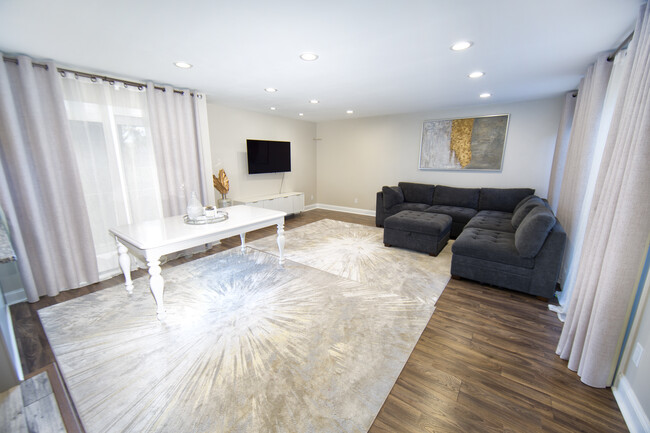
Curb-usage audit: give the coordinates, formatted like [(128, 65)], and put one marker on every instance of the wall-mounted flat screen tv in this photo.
[(265, 156)]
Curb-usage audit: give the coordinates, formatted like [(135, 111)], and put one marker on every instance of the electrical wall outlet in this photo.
[(636, 356), (356, 200), (312, 197)]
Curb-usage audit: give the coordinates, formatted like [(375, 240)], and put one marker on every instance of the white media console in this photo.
[(289, 202)]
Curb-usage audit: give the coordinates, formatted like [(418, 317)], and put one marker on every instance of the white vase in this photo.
[(194, 207)]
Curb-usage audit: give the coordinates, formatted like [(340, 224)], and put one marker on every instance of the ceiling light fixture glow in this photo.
[(309, 57), (476, 74), (350, 112), (314, 101), (301, 114), (273, 108), (271, 90), (485, 95), (182, 65), (461, 45)]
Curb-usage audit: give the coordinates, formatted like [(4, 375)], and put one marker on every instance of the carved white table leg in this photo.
[(243, 242), (125, 265), (157, 285), (281, 241)]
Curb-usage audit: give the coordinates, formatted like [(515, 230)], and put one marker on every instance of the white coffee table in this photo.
[(155, 238)]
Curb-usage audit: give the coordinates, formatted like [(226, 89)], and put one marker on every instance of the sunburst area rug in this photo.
[(314, 345), (358, 253)]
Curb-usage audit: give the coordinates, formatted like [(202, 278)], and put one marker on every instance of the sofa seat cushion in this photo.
[(419, 222), (421, 207), (483, 220), (417, 192), (495, 214), (459, 197), (502, 199), (490, 245), (458, 214)]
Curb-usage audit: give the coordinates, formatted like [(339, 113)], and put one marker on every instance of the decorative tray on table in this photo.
[(207, 219)]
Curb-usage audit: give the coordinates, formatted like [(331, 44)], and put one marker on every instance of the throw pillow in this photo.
[(392, 195), (524, 209), (523, 201), (532, 233)]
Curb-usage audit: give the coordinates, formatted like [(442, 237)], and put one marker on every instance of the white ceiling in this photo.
[(377, 57)]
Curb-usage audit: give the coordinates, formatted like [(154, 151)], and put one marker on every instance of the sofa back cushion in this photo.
[(502, 199), (460, 197), (417, 192), (392, 195), (523, 201), (525, 209), (533, 230)]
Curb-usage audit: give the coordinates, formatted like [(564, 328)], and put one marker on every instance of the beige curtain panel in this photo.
[(40, 187), (177, 147), (617, 230)]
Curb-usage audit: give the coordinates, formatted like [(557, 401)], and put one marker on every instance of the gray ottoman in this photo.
[(420, 231)]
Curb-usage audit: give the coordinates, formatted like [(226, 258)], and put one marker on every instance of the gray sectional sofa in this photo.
[(504, 237)]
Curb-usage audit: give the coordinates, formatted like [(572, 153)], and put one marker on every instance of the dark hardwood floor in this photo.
[(485, 362)]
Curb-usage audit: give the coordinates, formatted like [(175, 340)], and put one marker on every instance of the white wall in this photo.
[(229, 129), (356, 157)]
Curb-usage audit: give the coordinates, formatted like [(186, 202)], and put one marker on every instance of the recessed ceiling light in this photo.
[(183, 65), (309, 57), (461, 45), (301, 114), (273, 108), (485, 95), (271, 90), (350, 112), (476, 74), (314, 101)]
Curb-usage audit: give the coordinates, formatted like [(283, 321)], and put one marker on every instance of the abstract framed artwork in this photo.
[(470, 143)]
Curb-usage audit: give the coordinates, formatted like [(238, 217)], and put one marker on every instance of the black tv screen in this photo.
[(266, 156)]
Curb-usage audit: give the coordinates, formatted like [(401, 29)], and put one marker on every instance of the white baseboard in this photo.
[(15, 297), (342, 209), (635, 418)]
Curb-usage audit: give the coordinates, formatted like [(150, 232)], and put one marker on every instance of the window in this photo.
[(115, 156)]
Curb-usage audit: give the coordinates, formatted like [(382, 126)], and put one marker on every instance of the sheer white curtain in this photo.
[(580, 153), (561, 149), (618, 227), (609, 104), (141, 152), (80, 156), (40, 184), (113, 146)]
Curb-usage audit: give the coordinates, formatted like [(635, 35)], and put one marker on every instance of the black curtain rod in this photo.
[(620, 47), (95, 77)]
